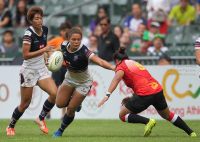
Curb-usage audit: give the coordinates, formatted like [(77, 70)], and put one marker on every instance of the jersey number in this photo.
[(141, 67)]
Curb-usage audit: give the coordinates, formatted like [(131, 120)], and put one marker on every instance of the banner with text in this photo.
[(181, 86)]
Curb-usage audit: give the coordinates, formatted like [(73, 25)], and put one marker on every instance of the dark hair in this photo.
[(79, 26), (120, 54), (73, 30), (119, 28), (105, 17), (144, 24), (166, 57), (94, 36), (34, 10), (65, 25), (106, 11), (18, 14), (7, 31)]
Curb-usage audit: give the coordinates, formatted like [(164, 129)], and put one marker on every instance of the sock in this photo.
[(134, 118), (15, 117), (178, 122), (46, 108), (65, 122)]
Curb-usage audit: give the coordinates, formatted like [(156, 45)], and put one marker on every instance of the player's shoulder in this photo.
[(44, 27), (198, 39), (28, 32), (65, 43)]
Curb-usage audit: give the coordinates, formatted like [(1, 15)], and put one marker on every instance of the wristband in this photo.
[(108, 94)]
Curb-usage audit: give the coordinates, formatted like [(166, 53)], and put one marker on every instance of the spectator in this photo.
[(20, 17), (164, 59), (157, 12), (125, 40), (64, 27), (183, 13), (85, 40), (157, 6), (8, 44), (132, 22), (137, 39), (98, 31), (154, 28), (118, 31), (198, 7), (143, 45), (5, 15), (158, 47), (93, 43), (15, 2), (108, 42), (102, 12)]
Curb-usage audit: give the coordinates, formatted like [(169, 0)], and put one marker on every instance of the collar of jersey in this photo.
[(76, 50), (34, 30)]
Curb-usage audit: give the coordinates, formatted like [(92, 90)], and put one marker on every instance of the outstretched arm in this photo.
[(98, 61), (118, 76)]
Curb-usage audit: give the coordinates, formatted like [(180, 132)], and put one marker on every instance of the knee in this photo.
[(71, 111), (59, 105), (24, 105)]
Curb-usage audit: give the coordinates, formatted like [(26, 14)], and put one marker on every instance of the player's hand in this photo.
[(125, 100), (49, 48), (103, 101)]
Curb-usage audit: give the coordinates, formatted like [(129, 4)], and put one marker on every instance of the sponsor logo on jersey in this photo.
[(35, 40), (45, 37), (75, 57)]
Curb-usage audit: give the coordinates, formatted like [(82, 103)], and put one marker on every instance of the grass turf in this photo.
[(99, 131)]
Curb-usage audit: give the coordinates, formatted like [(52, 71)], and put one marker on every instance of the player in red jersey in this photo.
[(147, 91)]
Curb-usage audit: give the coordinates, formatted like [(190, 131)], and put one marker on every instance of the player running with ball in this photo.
[(147, 91), (78, 80)]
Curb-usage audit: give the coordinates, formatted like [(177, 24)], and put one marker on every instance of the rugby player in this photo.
[(147, 91), (33, 71), (78, 80)]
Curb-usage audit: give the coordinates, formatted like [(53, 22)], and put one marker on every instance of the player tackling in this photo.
[(147, 91)]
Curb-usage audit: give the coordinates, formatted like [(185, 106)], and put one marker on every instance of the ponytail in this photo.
[(120, 54)]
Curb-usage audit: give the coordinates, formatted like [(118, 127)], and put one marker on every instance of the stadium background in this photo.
[(179, 39)]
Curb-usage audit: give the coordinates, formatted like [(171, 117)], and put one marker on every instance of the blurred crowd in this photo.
[(143, 29)]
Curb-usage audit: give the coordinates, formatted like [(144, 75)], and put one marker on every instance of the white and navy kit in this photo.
[(34, 69), (77, 74)]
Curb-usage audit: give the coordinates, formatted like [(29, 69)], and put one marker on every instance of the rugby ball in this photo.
[(55, 61)]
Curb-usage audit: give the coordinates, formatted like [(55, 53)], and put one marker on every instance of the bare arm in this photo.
[(169, 22), (4, 22), (118, 76), (28, 55), (98, 61), (198, 56)]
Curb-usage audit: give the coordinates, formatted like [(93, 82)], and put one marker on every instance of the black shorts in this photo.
[(59, 76), (138, 103)]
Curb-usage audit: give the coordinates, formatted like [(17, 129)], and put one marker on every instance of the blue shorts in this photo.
[(197, 1)]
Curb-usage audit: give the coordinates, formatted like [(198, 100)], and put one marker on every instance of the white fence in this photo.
[(181, 85)]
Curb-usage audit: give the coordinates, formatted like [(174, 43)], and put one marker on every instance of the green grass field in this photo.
[(98, 131)]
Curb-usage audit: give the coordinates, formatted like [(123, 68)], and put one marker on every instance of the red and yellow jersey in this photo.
[(138, 78)]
